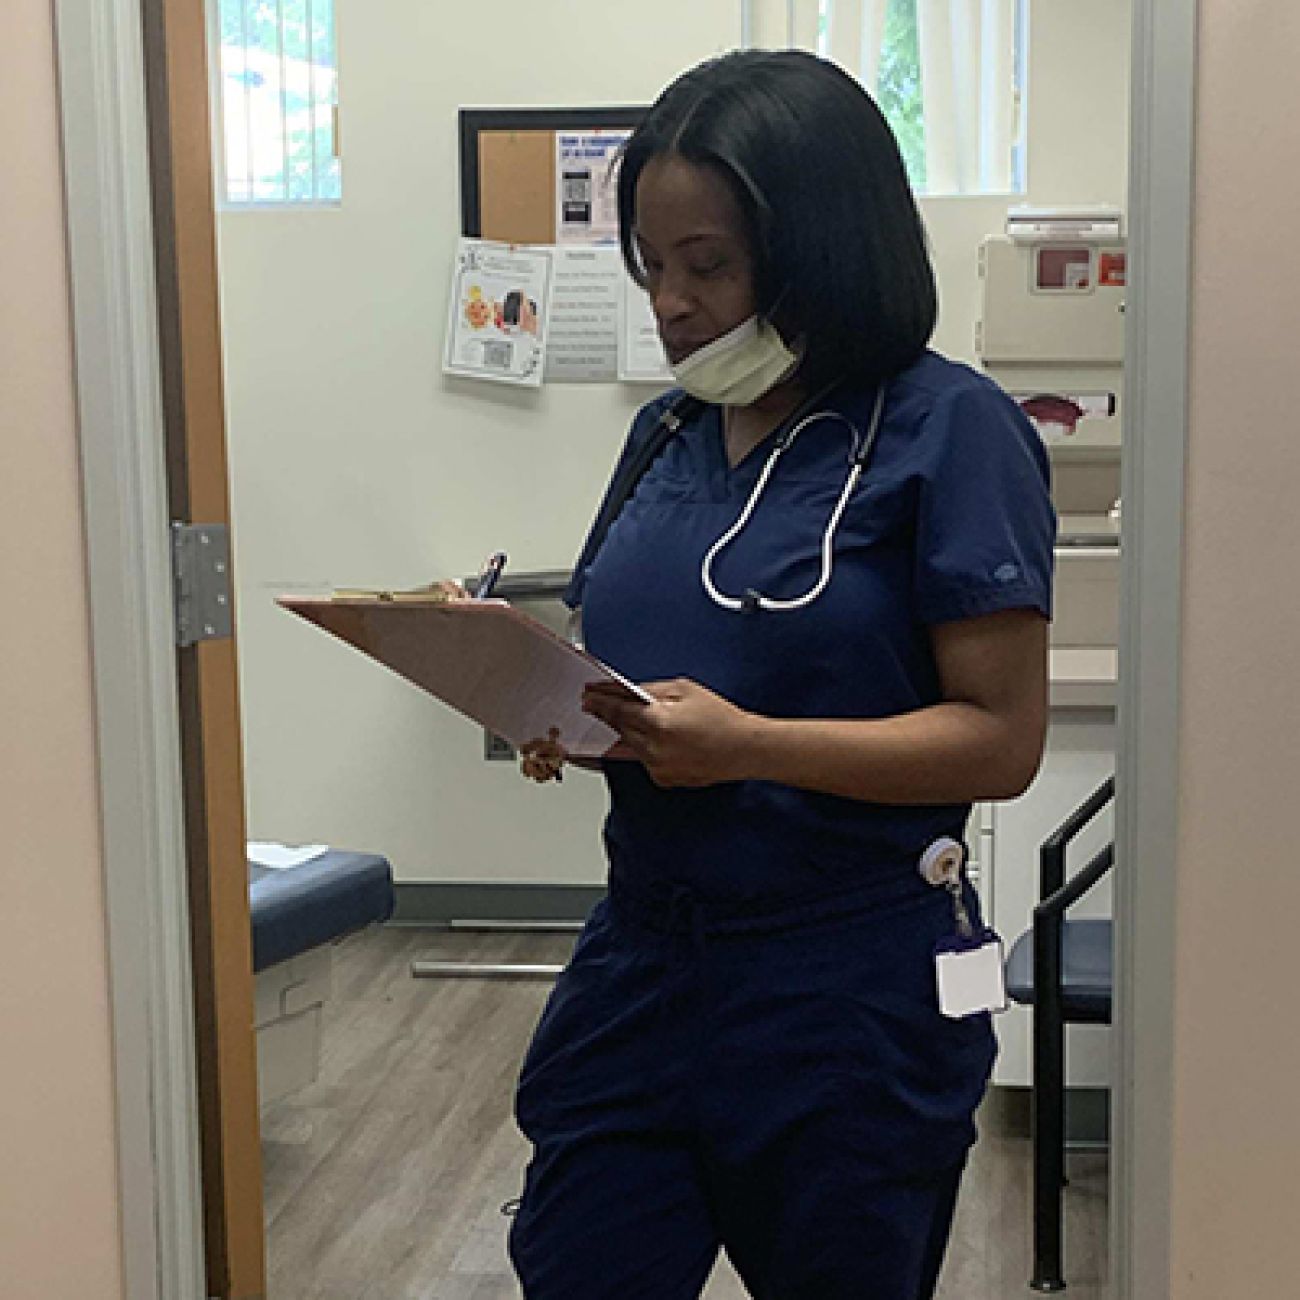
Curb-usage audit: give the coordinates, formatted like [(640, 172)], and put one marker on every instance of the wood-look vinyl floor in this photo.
[(384, 1179)]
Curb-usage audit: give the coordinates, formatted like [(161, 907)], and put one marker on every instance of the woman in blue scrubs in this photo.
[(746, 1051)]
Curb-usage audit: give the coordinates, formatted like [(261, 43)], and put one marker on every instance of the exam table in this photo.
[(298, 913)]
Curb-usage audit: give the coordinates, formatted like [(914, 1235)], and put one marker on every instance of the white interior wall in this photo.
[(1078, 87), (355, 461)]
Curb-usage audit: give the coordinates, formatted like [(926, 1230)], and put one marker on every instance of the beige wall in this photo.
[(59, 1232), (1236, 1124)]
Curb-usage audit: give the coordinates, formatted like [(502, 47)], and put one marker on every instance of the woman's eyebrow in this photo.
[(702, 237), (696, 237)]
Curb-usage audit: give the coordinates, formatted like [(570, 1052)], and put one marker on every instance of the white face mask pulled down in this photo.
[(739, 367)]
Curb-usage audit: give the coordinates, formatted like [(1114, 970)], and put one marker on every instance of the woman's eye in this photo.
[(706, 269)]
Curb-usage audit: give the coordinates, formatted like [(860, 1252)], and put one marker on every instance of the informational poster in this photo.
[(582, 341), (499, 314), (586, 189), (641, 356)]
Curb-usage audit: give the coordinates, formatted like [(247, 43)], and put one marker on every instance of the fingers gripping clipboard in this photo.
[(484, 658)]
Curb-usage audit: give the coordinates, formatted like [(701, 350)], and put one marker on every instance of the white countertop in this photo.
[(1089, 526), (1083, 677)]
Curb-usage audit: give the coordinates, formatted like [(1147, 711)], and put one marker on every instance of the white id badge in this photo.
[(971, 975)]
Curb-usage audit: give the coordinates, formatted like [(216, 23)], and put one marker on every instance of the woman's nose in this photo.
[(670, 302)]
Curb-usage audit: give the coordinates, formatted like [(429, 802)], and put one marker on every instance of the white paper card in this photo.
[(283, 856), (971, 980), (499, 312), (641, 356)]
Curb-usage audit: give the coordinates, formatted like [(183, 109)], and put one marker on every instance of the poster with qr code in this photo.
[(586, 186), (500, 311)]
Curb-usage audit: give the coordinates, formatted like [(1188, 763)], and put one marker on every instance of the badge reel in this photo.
[(969, 966)]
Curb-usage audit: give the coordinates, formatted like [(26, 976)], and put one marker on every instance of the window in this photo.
[(950, 77), (277, 97)]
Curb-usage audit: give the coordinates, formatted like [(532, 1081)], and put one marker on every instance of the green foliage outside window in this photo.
[(898, 87), (898, 81)]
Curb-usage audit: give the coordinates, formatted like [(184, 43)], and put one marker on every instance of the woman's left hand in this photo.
[(687, 737)]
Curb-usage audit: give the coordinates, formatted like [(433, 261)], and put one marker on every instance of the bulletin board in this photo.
[(507, 167)]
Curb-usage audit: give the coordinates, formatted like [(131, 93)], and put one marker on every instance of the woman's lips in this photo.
[(679, 350)]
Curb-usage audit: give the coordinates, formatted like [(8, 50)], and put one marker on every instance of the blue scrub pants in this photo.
[(783, 1088)]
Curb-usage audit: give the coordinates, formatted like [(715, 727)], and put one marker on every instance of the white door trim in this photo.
[(115, 325), (114, 309), (1156, 365)]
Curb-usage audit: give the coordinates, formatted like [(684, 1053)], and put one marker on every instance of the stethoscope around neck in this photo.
[(860, 449)]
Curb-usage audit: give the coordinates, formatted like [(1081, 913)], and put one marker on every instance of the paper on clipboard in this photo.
[(484, 658)]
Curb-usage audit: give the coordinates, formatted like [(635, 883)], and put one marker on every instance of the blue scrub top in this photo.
[(952, 519)]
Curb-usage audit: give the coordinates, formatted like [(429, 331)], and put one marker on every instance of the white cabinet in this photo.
[(1080, 755), (979, 861)]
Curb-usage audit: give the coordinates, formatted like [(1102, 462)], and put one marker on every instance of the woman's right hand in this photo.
[(543, 760)]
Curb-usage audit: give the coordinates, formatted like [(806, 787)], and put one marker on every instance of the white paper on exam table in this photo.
[(282, 857)]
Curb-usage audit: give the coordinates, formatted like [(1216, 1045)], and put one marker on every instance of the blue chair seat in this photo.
[(1087, 968), (299, 908)]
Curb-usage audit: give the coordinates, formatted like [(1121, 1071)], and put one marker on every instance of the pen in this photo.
[(488, 575)]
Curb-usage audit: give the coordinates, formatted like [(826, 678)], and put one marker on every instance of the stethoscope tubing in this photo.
[(863, 444)]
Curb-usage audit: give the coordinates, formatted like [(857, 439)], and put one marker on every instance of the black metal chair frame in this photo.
[(1050, 1018)]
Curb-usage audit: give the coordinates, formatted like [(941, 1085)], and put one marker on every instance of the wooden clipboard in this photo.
[(484, 658)]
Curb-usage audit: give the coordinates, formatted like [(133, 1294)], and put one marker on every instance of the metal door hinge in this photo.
[(201, 572)]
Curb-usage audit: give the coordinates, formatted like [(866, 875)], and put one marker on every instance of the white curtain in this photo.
[(777, 24), (967, 56), (855, 30), (857, 33), (967, 52)]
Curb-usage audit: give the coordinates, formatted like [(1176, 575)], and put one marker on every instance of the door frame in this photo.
[(1162, 134), (118, 382), (100, 57)]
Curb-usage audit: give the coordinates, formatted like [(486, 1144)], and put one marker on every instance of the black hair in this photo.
[(840, 259)]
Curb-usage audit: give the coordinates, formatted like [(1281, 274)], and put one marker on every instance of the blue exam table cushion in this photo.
[(296, 909), (1087, 967)]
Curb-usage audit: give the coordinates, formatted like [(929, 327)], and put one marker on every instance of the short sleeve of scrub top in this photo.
[(952, 519), (984, 523)]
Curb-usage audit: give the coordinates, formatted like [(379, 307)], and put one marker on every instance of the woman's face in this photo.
[(690, 233)]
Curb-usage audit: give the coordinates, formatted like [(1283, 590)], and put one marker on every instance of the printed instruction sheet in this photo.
[(582, 345)]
